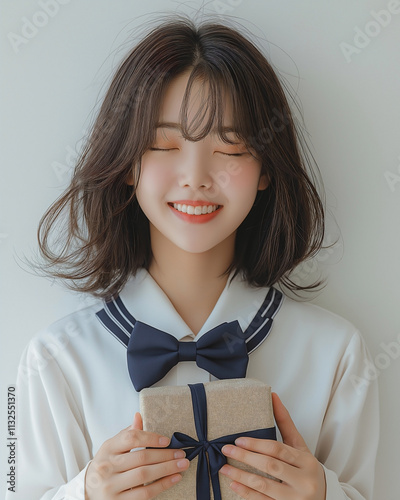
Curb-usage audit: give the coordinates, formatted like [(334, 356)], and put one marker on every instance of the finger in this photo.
[(266, 486), (288, 430), (148, 473), (137, 422), (151, 490), (265, 463), (268, 447), (130, 438), (246, 492), (133, 459)]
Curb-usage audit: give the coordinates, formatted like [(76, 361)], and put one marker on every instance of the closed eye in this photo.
[(161, 149), (231, 154), (173, 149)]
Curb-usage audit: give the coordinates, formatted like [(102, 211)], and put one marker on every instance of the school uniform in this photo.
[(74, 390)]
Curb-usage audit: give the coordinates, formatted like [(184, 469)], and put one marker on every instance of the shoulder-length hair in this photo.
[(105, 237)]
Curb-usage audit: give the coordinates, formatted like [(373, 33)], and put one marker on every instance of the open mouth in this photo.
[(198, 210)]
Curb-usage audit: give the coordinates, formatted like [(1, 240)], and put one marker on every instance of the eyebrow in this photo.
[(177, 126)]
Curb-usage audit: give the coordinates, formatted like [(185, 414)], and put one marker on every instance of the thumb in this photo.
[(137, 422), (288, 430)]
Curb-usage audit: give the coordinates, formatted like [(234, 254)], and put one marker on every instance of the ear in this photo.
[(129, 179), (133, 176), (263, 183)]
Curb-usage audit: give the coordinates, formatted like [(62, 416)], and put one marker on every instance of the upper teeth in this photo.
[(199, 210)]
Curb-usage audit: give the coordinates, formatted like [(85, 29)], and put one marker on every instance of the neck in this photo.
[(190, 278), (190, 271)]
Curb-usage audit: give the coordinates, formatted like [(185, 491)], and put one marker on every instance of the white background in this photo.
[(351, 109)]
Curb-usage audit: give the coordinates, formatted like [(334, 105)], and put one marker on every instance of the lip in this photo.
[(195, 219)]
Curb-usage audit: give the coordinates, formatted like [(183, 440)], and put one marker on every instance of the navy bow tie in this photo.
[(152, 353)]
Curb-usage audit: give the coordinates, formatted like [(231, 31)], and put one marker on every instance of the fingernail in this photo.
[(225, 470), (182, 463), (163, 441), (228, 450), (179, 454), (235, 486), (175, 479), (240, 442)]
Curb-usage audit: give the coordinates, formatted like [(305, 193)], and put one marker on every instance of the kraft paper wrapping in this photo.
[(233, 406)]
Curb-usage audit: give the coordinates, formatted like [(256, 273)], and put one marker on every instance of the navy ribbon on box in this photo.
[(207, 470)]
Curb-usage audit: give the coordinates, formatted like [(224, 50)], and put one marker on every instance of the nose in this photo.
[(195, 170)]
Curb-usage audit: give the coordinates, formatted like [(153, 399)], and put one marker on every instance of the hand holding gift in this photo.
[(292, 462), (116, 472)]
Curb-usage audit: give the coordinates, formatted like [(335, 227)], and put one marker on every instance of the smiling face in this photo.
[(195, 194)]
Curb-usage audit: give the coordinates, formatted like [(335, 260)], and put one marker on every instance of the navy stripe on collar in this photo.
[(116, 318), (260, 327)]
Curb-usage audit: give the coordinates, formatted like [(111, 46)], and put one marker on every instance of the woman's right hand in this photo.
[(116, 472)]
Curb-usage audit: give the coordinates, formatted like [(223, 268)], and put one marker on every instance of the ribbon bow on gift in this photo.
[(202, 447)]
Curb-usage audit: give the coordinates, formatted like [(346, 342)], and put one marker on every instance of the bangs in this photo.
[(214, 94)]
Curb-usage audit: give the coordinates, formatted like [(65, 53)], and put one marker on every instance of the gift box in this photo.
[(201, 419)]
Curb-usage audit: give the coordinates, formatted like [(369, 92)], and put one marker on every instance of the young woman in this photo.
[(191, 200)]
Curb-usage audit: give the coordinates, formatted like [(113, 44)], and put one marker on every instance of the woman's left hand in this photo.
[(302, 476)]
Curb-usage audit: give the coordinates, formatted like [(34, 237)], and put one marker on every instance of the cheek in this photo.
[(153, 179), (245, 183)]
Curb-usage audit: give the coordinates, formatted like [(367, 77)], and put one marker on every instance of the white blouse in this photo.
[(74, 391)]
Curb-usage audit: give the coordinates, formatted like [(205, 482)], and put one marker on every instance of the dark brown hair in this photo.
[(104, 235)]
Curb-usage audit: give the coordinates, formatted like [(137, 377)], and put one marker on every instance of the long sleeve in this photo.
[(53, 449), (349, 437)]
